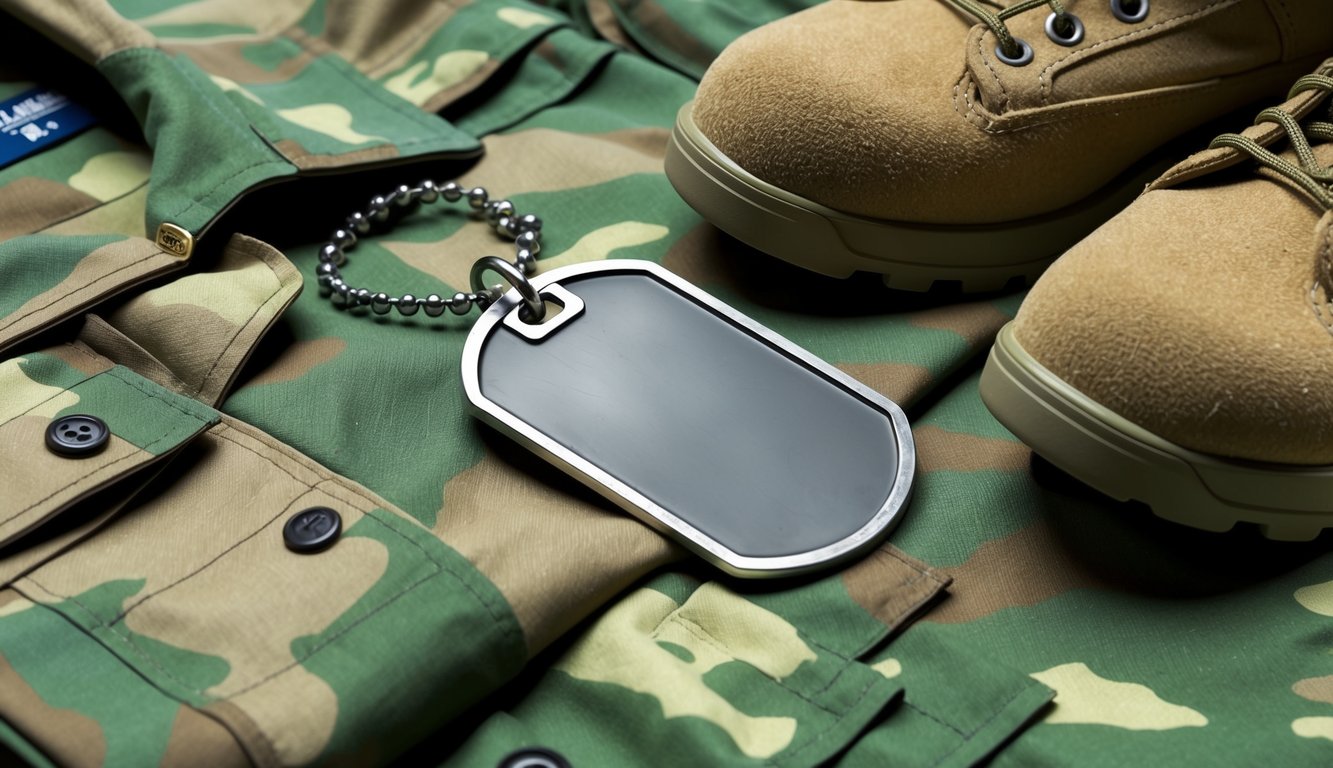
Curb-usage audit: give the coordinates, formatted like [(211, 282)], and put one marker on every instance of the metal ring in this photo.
[(1075, 35), (1023, 58), (532, 298), (1119, 11)]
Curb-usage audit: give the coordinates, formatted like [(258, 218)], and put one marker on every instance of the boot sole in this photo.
[(910, 256), (1127, 462)]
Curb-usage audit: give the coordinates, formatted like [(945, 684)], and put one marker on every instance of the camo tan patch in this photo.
[(586, 554), (32, 204), (197, 739), (939, 449), (298, 359), (1084, 697), (977, 322), (1313, 727), (892, 586), (1315, 689), (112, 174), (102, 272), (1027, 567), (900, 382)]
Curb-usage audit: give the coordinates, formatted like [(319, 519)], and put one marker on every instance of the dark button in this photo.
[(534, 757), (77, 435), (312, 530)]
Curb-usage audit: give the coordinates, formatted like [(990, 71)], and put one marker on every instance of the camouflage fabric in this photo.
[(478, 602)]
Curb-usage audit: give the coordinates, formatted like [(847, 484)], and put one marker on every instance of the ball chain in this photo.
[(499, 214)]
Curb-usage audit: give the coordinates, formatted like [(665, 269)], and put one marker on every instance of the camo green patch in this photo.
[(369, 695)]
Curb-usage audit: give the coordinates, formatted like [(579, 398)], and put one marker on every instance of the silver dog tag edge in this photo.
[(647, 511)]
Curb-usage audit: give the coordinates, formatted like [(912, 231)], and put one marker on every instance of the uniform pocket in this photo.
[(71, 424), (205, 591)]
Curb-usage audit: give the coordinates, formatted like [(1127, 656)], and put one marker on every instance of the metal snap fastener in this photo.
[(534, 757), (77, 435), (313, 530)]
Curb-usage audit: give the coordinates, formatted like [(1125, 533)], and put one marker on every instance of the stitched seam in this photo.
[(818, 737), (1138, 105), (85, 476), (129, 382), (78, 347), (100, 467), (241, 127), (1047, 85), (101, 204), (126, 611), (717, 645), (219, 189), (970, 114), (12, 320), (1004, 707), (144, 53), (702, 634), (981, 53), (925, 598), (232, 341), (47, 400), (925, 571), (123, 639), (128, 639), (81, 351), (310, 487), (951, 727)]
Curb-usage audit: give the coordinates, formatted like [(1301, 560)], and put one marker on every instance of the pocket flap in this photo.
[(43, 393)]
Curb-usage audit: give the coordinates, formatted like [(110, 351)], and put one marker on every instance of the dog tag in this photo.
[(747, 449)]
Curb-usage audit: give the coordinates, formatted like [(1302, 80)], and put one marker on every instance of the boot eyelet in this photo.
[(1023, 58), (1130, 11), (1073, 34)]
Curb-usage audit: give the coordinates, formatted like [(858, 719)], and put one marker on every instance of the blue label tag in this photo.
[(36, 119)]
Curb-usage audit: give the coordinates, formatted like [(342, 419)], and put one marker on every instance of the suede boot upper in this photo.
[(903, 110), (1202, 312)]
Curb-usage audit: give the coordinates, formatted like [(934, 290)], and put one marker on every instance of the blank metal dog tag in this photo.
[(747, 449)]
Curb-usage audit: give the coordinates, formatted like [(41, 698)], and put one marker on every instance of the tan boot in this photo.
[(939, 140), (1182, 355)]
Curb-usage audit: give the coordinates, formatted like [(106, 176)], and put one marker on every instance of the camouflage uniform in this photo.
[(478, 602)]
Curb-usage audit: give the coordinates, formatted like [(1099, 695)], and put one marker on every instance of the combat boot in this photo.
[(1182, 355), (949, 140)]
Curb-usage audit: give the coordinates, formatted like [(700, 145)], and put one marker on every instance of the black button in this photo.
[(312, 530), (77, 435), (534, 757)]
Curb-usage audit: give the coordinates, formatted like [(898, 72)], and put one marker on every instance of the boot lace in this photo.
[(1008, 44), (1310, 175)]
